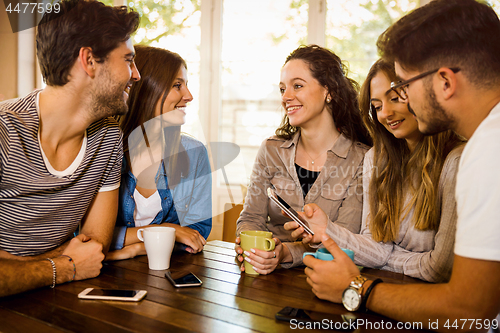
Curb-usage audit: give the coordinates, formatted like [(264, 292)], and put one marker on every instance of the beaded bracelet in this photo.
[(74, 266), (54, 272)]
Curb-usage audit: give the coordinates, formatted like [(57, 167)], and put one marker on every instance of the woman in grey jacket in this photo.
[(316, 156)]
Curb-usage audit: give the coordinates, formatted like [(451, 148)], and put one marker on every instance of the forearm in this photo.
[(203, 227), (367, 252), (100, 220), (410, 303), (255, 210), (471, 294), (19, 276), (432, 305), (429, 266), (293, 254)]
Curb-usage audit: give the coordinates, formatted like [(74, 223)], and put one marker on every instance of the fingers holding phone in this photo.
[(297, 231), (317, 220)]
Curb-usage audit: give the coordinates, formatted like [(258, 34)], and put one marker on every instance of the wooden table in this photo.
[(227, 301)]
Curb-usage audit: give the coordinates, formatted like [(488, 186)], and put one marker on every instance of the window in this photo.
[(353, 27), (257, 36)]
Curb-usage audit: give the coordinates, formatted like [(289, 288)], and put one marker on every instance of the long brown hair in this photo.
[(158, 69), (327, 68), (396, 170)]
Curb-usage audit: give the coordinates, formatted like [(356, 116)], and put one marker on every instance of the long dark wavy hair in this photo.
[(158, 69), (331, 73), (397, 170)]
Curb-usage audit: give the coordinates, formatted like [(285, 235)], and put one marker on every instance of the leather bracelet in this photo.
[(367, 294), (54, 272), (74, 266)]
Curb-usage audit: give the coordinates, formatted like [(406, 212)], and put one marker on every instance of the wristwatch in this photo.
[(351, 297)]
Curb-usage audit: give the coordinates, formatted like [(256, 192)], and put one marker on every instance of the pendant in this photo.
[(312, 162)]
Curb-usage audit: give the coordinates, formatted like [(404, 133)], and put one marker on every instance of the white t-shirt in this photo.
[(146, 209), (478, 193)]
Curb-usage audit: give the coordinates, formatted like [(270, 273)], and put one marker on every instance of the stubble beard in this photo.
[(107, 98), (437, 120)]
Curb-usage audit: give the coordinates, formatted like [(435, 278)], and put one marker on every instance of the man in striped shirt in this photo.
[(61, 152)]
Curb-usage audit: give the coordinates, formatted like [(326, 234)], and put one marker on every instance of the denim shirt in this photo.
[(188, 204)]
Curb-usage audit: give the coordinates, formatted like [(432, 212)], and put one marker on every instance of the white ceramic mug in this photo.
[(159, 243)]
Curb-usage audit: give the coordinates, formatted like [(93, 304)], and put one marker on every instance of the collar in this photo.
[(340, 147)]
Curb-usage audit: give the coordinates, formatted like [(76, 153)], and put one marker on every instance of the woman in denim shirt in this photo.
[(166, 176)]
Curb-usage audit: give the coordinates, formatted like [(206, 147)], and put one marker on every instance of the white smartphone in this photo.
[(113, 294), (271, 193), (183, 279)]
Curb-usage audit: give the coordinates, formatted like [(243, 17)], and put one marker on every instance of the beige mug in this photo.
[(255, 239)]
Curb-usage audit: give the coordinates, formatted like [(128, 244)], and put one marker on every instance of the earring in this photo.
[(328, 100)]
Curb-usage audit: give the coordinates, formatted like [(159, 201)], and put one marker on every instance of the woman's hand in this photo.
[(317, 220), (239, 252), (189, 237), (129, 251), (264, 262)]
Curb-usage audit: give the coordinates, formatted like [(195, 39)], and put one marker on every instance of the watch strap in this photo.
[(367, 294), (358, 282)]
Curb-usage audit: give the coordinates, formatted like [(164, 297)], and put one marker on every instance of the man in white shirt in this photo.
[(447, 55), (60, 150)]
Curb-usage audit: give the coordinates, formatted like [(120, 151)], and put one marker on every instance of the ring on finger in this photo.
[(274, 254)]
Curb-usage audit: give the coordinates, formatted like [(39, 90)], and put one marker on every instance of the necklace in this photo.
[(312, 159)]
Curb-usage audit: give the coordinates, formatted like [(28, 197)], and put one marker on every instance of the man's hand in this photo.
[(87, 255), (329, 279), (317, 220)]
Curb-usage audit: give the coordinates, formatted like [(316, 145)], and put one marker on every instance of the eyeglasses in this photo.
[(401, 87)]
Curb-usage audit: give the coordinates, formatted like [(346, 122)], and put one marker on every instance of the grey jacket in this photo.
[(338, 190)]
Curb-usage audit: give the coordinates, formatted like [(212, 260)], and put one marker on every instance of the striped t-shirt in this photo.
[(38, 210)]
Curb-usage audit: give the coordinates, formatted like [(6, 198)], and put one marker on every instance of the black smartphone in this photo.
[(183, 279), (271, 193), (299, 318)]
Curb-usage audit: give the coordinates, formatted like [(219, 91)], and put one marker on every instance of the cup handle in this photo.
[(309, 254), (270, 244), (140, 234)]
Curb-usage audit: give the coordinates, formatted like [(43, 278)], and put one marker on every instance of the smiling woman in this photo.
[(166, 178), (316, 155)]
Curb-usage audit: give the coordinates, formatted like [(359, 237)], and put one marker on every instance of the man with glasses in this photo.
[(447, 55)]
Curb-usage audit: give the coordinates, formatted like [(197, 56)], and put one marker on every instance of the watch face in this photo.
[(351, 299)]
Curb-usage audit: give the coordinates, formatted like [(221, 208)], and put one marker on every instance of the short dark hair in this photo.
[(447, 33), (329, 70), (80, 23)]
